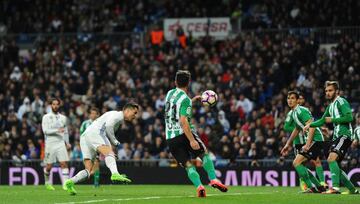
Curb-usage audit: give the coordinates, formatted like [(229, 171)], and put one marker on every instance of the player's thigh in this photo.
[(313, 152), (199, 152), (96, 140), (340, 146), (62, 154), (179, 150), (86, 150), (50, 154)]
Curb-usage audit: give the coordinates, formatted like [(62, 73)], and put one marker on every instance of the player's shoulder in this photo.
[(342, 100)]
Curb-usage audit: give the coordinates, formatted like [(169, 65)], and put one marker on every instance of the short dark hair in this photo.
[(332, 83), (94, 109), (131, 105), (54, 99), (182, 78), (296, 93)]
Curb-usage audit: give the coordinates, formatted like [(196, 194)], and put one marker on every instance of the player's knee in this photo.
[(187, 164)]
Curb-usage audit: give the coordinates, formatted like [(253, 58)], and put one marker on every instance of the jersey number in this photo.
[(173, 115)]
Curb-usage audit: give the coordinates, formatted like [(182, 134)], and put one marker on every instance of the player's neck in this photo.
[(184, 89)]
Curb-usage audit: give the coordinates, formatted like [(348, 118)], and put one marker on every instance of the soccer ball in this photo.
[(209, 98)]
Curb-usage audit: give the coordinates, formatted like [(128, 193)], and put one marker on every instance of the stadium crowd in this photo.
[(40, 16), (250, 73)]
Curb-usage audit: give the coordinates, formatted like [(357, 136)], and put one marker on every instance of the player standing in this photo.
[(181, 136), (313, 142), (54, 126), (339, 113), (299, 142), (98, 138), (94, 113)]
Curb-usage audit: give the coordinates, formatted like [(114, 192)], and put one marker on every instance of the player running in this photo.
[(313, 143), (183, 142), (299, 142), (339, 113), (94, 113), (54, 126), (98, 138)]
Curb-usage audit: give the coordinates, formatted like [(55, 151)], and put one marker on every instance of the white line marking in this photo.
[(160, 197)]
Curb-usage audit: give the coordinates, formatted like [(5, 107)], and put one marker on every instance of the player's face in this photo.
[(330, 93), (292, 101), (301, 100), (130, 114), (93, 115), (55, 105)]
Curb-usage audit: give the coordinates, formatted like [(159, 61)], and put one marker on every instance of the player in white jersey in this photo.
[(54, 126), (98, 138)]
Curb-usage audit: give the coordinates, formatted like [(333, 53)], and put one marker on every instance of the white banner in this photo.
[(217, 27)]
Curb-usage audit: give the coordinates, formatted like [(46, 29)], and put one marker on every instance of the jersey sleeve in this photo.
[(46, 126), (82, 128), (289, 125), (345, 109), (66, 131), (305, 115), (110, 129), (185, 108)]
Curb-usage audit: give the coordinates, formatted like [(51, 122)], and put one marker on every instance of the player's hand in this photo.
[(68, 146), (328, 120), (306, 127), (284, 150), (194, 144), (306, 147), (198, 97), (61, 130)]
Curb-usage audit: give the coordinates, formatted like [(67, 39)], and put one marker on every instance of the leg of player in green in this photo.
[(335, 173), (96, 173), (194, 177), (208, 165)]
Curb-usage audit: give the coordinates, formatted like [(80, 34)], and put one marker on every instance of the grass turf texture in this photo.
[(167, 194)]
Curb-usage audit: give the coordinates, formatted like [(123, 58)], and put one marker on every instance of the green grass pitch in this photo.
[(167, 194)]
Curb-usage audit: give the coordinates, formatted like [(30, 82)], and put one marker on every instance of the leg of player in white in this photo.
[(90, 145)]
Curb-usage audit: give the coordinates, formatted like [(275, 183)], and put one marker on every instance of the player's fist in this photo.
[(194, 144), (306, 127), (196, 98), (284, 151), (68, 146), (328, 120), (61, 130)]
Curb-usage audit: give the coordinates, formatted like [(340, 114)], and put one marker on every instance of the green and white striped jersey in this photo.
[(300, 116), (85, 125), (356, 135), (340, 112), (177, 103), (289, 126)]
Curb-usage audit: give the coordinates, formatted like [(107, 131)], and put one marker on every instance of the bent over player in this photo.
[(98, 138)]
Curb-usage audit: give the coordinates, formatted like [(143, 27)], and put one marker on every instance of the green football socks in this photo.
[(208, 165), (193, 176), (335, 174)]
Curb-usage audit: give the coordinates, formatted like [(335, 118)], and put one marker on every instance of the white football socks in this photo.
[(111, 163), (81, 176)]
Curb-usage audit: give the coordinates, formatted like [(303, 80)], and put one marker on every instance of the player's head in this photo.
[(292, 99), (332, 90), (130, 111), (301, 100), (182, 78), (94, 113), (55, 104)]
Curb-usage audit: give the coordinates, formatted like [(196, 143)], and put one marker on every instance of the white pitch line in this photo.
[(160, 197)]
